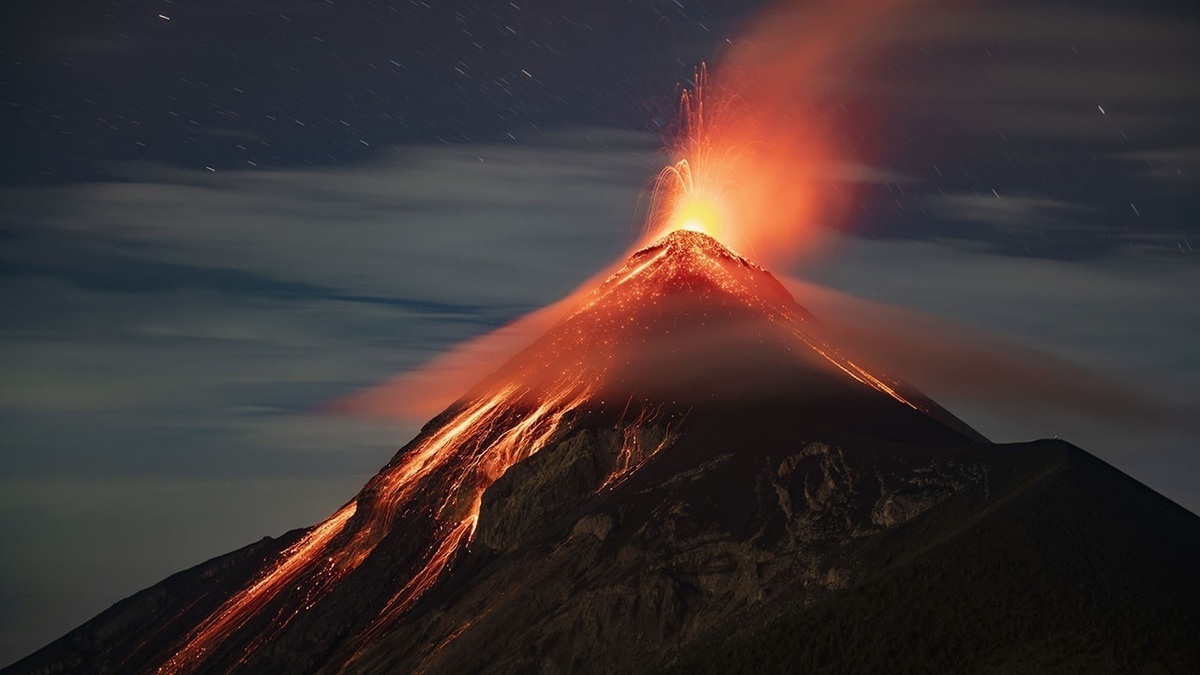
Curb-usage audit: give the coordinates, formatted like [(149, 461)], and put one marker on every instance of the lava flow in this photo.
[(445, 472), (624, 343)]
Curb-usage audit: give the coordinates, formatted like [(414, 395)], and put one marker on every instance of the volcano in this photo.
[(684, 475)]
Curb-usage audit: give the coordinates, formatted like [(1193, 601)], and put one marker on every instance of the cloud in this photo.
[(1003, 376), (1006, 212), (1034, 54), (1175, 165), (174, 297), (1126, 320), (185, 329), (384, 229)]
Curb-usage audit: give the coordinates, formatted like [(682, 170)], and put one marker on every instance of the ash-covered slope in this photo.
[(681, 467)]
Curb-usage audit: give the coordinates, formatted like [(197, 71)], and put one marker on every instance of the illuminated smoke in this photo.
[(750, 166)]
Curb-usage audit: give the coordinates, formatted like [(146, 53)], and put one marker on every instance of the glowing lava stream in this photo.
[(709, 254), (474, 449), (295, 560)]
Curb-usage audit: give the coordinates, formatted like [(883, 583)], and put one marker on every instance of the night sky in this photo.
[(216, 217)]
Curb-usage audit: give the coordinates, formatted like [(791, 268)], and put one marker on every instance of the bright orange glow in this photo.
[(755, 163), (733, 178), (693, 192), (698, 213), (757, 156)]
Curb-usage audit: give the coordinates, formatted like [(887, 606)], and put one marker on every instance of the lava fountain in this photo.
[(764, 143)]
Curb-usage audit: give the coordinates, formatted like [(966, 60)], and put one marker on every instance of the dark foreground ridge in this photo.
[(773, 507)]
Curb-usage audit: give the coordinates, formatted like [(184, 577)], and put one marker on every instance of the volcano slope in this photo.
[(682, 475)]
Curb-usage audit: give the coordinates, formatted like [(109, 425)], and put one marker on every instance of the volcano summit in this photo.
[(683, 475)]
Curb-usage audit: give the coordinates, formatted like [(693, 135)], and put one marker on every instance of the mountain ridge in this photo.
[(682, 456)]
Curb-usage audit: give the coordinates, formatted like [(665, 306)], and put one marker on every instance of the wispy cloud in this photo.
[(173, 297), (185, 328), (1007, 212)]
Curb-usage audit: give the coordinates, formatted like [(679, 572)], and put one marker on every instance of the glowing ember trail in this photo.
[(690, 193), (295, 561), (636, 450), (735, 177)]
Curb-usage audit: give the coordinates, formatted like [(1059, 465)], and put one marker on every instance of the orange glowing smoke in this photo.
[(757, 146), (752, 165)]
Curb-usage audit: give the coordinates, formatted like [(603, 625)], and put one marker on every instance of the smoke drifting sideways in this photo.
[(750, 166), (948, 359), (937, 355)]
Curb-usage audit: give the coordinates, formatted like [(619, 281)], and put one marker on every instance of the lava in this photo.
[(454, 464)]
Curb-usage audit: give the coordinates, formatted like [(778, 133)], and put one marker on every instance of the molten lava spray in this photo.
[(758, 143)]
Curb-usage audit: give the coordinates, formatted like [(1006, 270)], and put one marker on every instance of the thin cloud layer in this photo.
[(188, 329)]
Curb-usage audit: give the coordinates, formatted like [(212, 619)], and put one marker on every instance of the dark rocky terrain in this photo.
[(815, 523)]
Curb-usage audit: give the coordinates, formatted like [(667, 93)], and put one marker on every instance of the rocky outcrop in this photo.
[(532, 494), (535, 492)]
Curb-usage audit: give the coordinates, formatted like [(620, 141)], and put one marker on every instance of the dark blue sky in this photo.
[(216, 217)]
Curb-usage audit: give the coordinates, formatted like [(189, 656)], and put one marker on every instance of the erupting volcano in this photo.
[(631, 356), (679, 467), (682, 460)]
